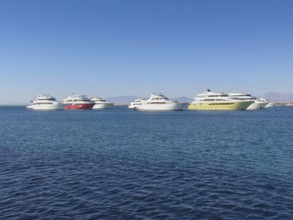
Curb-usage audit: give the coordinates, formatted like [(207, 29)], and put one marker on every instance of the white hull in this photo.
[(160, 107), (46, 107), (257, 105), (263, 102), (263, 105), (254, 106), (270, 105), (102, 105)]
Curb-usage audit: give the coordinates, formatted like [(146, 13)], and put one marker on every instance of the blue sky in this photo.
[(135, 47)]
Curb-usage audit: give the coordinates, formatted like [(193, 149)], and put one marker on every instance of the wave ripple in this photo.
[(119, 164)]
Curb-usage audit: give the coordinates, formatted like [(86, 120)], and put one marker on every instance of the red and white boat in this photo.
[(78, 102)]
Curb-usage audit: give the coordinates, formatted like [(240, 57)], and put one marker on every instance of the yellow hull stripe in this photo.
[(219, 106)]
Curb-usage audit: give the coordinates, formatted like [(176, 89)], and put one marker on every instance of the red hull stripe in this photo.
[(79, 106)]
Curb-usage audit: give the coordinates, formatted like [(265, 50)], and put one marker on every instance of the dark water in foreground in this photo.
[(120, 164)]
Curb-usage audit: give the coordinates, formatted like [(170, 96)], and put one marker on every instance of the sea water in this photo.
[(123, 164)]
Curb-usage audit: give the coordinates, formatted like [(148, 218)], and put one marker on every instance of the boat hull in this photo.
[(258, 105), (79, 106), (159, 107), (102, 105), (263, 105), (254, 106), (46, 107), (270, 105), (219, 106)]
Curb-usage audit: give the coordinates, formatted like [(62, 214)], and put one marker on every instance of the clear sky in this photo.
[(135, 47)]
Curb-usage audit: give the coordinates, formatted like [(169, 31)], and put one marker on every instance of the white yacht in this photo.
[(263, 102), (217, 101), (136, 103), (45, 102), (101, 103), (257, 103), (156, 102)]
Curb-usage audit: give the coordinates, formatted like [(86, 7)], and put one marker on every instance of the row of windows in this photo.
[(160, 98), (158, 102), (218, 95), (47, 99), (243, 98), (212, 100), (44, 103), (77, 100), (228, 103)]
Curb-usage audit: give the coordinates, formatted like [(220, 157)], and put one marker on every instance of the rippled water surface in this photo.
[(122, 164)]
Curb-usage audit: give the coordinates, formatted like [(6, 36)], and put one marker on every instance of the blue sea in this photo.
[(123, 164)]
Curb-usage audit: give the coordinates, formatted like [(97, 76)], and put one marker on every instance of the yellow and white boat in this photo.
[(217, 101)]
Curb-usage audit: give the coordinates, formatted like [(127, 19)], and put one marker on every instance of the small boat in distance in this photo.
[(136, 103), (257, 103), (75, 102), (45, 102), (263, 102), (156, 102), (101, 103), (217, 101)]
